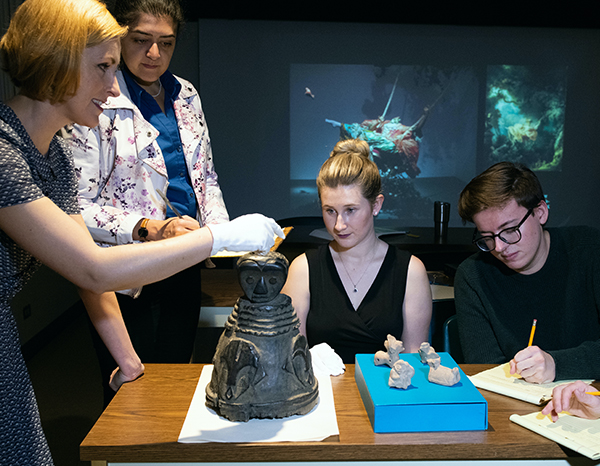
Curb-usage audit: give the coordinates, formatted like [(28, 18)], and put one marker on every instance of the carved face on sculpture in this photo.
[(262, 277)]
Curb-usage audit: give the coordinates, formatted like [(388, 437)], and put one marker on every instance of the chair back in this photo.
[(452, 340)]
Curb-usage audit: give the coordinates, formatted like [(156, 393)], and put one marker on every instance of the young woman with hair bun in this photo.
[(354, 291)]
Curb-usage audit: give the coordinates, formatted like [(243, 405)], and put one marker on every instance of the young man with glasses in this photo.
[(525, 272)]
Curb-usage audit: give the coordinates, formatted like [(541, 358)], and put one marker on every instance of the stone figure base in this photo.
[(262, 365)]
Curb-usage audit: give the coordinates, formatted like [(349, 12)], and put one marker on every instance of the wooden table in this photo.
[(143, 422)]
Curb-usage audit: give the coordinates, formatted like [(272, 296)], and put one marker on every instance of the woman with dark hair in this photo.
[(63, 56), (356, 290), (151, 138)]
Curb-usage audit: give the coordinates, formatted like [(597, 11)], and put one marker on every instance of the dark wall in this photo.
[(244, 84)]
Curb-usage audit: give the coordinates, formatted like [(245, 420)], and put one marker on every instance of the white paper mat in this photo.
[(204, 425)]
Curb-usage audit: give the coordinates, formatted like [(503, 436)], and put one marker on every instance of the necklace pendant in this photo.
[(355, 290)]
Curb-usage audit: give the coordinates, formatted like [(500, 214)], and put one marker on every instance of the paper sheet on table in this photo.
[(204, 425), (580, 435), (500, 380)]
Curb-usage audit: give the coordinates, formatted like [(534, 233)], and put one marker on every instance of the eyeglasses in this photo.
[(509, 236)]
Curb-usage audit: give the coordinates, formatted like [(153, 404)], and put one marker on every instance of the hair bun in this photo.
[(352, 146)]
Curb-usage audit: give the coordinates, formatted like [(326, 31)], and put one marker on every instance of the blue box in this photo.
[(423, 406)]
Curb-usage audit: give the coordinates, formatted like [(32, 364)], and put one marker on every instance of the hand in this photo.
[(118, 377), (571, 397), (253, 232), (534, 365), (171, 227)]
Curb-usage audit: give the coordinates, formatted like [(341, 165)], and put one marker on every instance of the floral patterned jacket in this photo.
[(120, 165)]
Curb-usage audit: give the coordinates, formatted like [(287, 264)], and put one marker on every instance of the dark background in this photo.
[(244, 57)]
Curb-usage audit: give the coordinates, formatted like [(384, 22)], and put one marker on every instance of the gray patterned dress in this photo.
[(25, 176)]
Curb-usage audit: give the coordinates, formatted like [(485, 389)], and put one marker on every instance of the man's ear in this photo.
[(541, 212)]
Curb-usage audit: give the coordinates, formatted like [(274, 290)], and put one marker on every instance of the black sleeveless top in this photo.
[(332, 318)]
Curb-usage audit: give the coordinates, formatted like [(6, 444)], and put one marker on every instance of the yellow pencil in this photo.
[(592, 393), (532, 332)]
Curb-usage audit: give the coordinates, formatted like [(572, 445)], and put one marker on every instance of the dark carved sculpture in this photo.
[(262, 365)]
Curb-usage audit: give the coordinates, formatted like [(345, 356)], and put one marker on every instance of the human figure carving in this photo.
[(262, 365)]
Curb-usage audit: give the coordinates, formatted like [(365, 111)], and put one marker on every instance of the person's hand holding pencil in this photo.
[(533, 364), (576, 398)]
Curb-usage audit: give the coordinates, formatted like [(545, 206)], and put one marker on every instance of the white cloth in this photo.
[(326, 360)]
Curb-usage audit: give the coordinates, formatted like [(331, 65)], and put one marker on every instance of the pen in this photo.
[(164, 198), (532, 332)]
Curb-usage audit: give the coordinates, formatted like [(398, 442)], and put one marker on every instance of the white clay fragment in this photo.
[(442, 375), (426, 352), (394, 347), (401, 374), (382, 359)]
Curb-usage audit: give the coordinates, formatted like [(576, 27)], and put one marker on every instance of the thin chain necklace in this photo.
[(159, 90), (355, 285)]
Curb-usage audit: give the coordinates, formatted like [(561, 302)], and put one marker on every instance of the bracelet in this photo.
[(143, 231)]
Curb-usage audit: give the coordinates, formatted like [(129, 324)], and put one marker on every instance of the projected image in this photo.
[(525, 112), (420, 122)]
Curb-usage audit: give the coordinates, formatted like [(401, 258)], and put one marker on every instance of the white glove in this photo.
[(253, 232), (326, 360)]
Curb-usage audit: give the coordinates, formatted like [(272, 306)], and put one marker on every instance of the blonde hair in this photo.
[(349, 164), (42, 48)]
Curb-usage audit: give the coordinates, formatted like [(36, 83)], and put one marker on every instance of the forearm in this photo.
[(134, 265), (63, 243), (417, 307), (105, 315)]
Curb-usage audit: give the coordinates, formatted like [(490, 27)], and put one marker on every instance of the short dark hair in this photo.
[(497, 186), (127, 12)]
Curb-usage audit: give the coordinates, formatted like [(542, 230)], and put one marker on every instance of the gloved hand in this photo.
[(252, 232)]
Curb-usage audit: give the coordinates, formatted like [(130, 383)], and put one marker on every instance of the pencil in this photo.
[(532, 332), (592, 393)]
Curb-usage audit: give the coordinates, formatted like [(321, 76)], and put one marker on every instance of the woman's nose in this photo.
[(113, 89), (153, 51), (339, 223)]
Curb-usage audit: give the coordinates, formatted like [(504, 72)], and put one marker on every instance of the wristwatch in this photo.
[(143, 231)]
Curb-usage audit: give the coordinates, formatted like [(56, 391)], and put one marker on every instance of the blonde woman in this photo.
[(357, 289), (63, 56)]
